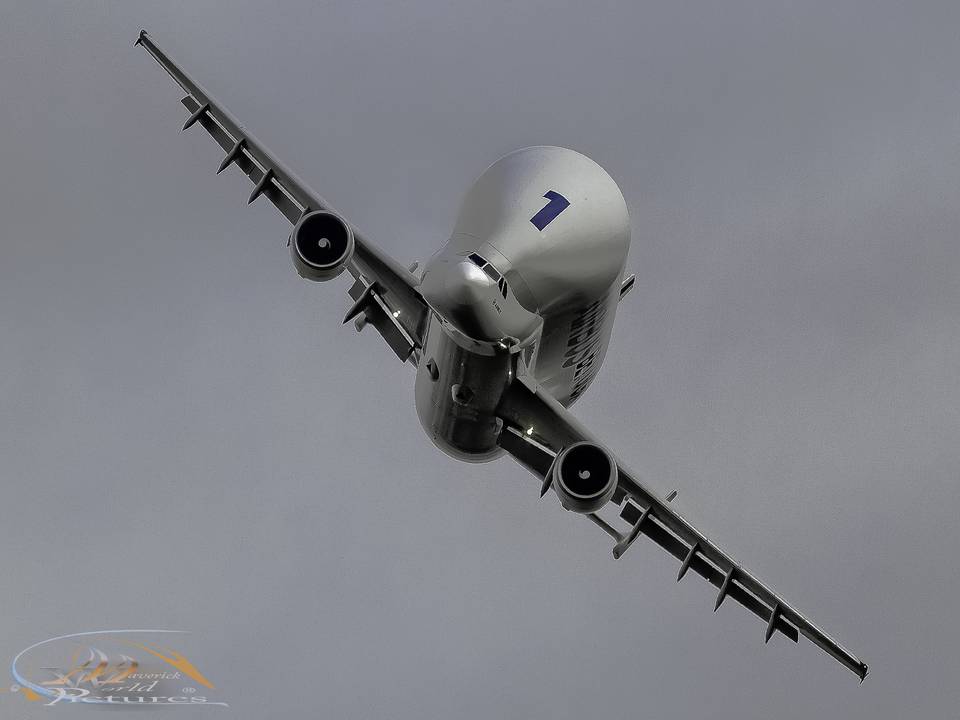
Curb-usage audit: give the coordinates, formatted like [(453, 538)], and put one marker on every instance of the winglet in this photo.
[(140, 37)]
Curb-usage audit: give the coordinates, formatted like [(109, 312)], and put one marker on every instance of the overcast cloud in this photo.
[(191, 440)]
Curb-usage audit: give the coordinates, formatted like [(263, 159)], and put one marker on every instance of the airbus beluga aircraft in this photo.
[(506, 325)]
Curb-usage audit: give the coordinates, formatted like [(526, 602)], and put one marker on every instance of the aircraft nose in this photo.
[(465, 296), (477, 302), (466, 284)]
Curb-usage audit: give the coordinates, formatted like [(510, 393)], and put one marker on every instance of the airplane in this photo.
[(506, 326)]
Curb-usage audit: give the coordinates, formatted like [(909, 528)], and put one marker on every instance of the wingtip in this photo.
[(140, 37)]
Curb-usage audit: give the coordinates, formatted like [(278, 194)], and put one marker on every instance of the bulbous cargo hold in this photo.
[(555, 225), (321, 245), (584, 477), (533, 268)]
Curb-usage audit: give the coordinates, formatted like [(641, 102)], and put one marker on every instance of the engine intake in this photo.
[(321, 246), (584, 477)]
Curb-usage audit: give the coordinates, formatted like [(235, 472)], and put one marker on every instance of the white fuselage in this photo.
[(527, 284)]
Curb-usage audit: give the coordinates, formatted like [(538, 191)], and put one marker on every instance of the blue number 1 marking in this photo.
[(558, 203)]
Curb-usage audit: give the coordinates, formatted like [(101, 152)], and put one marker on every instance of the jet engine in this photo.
[(321, 245), (584, 477)]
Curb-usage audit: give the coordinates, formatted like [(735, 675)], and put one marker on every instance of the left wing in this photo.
[(537, 428), (385, 292)]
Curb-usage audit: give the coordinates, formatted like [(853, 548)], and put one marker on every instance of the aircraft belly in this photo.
[(457, 393)]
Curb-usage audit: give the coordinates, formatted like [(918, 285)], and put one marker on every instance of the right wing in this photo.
[(384, 291), (537, 428)]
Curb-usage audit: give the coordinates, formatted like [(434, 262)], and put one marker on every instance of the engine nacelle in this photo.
[(321, 245), (584, 477)]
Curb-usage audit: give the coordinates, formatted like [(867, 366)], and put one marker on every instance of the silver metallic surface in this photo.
[(562, 286), (569, 273), (457, 393)]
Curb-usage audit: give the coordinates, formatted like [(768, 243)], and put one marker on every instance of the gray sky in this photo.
[(192, 441)]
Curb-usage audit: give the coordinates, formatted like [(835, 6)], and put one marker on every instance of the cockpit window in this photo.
[(491, 272)]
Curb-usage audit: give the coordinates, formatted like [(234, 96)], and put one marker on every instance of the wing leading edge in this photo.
[(537, 428), (387, 291)]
